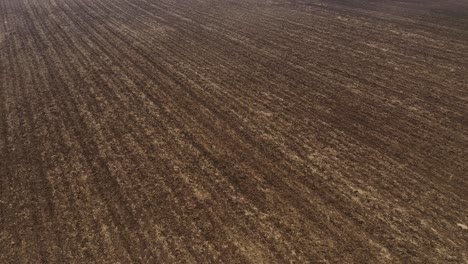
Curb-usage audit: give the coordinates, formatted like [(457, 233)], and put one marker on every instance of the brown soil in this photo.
[(235, 131)]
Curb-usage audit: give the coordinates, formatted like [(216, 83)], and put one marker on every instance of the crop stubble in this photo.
[(233, 131)]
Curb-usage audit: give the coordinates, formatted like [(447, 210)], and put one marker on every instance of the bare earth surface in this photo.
[(236, 131)]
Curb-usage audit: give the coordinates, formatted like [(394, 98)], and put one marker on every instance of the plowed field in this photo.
[(233, 131)]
